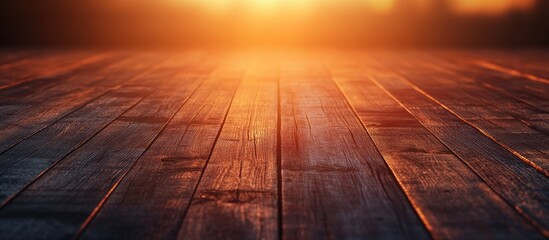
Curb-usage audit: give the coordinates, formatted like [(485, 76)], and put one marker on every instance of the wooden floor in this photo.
[(271, 145)]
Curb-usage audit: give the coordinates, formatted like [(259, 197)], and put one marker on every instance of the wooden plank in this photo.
[(530, 110), (516, 126), (518, 63), (48, 66), (57, 203), (21, 119), (51, 86), (135, 177), (30, 56), (518, 87), (149, 203), (431, 176), (335, 184), (11, 56), (22, 163), (519, 184), (237, 195), (29, 159)]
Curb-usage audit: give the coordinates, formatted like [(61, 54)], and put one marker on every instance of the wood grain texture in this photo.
[(151, 200), (518, 127), (519, 184), (28, 159), (274, 145), (23, 116), (29, 56), (62, 199), (519, 87), (335, 184), (35, 154), (430, 174), (28, 90), (518, 91), (237, 194), (50, 65), (522, 63)]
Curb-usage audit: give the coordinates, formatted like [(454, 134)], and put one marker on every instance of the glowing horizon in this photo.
[(486, 7), (346, 23)]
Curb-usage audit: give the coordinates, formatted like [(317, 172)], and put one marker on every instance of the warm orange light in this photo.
[(491, 7), (310, 22), (381, 6)]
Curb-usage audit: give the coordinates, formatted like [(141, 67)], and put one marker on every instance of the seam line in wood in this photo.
[(97, 209), (10, 198)]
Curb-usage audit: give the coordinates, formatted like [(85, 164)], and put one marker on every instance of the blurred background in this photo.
[(275, 23)]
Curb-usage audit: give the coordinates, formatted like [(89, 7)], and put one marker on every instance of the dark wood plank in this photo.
[(55, 205), (519, 184), (516, 126), (335, 184), (11, 56), (28, 159), (503, 99), (29, 56), (47, 87), (517, 87), (517, 63), (150, 201), (237, 194), (518, 101), (430, 174), (21, 119), (47, 66), (401, 146)]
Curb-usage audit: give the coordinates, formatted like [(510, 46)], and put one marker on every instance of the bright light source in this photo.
[(491, 7)]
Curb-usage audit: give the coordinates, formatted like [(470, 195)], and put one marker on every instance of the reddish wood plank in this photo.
[(151, 200), (516, 126), (47, 66), (335, 184), (22, 117), (517, 87), (62, 199), (519, 184), (98, 157), (11, 56), (237, 194), (526, 64), (432, 177), (32, 157)]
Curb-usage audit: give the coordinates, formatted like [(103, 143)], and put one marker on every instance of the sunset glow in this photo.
[(223, 23), (380, 5), (274, 119), (489, 7)]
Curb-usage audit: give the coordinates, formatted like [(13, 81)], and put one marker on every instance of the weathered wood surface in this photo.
[(46, 65), (346, 145), (430, 174), (239, 185), (21, 163), (504, 172), (528, 64), (335, 184), (517, 126), (151, 200), (76, 185), (31, 110)]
